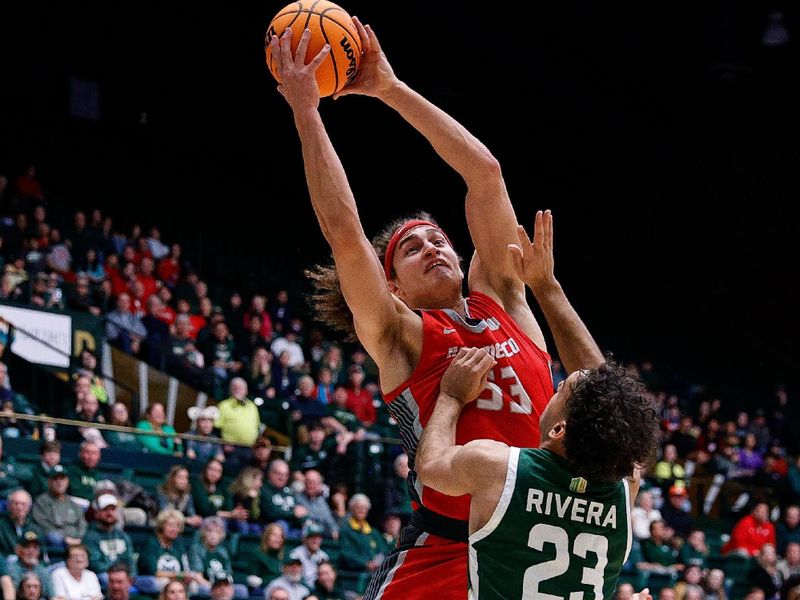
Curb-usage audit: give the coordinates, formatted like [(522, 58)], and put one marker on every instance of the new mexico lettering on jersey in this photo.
[(519, 387)]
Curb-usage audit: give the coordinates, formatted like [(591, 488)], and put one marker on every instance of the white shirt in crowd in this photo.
[(65, 585)]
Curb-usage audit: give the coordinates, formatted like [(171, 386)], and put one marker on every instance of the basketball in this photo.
[(329, 24)]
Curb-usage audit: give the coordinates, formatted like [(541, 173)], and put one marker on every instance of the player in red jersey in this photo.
[(402, 296)]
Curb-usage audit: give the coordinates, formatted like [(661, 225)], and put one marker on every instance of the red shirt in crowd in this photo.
[(361, 405), (750, 535)]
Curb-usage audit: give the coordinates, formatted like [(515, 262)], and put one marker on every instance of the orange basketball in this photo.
[(329, 24)]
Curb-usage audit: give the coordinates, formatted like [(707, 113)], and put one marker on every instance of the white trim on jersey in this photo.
[(628, 519), (497, 516)]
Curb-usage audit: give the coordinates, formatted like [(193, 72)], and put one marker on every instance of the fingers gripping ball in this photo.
[(329, 24)]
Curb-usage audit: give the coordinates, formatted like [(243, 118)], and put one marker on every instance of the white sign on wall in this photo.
[(52, 328)]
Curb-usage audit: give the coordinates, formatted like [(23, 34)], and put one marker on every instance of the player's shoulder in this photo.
[(485, 453)]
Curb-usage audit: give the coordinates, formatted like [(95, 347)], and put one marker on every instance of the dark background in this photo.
[(664, 136)]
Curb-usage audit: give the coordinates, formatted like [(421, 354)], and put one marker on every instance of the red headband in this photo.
[(398, 235)]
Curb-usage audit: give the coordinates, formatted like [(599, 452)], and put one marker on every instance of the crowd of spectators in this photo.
[(265, 370)]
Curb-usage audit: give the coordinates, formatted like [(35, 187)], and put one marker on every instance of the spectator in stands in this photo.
[(715, 585), (164, 557), (289, 344), (56, 514), (211, 315), (75, 581), (694, 551), (361, 545), (222, 588), (789, 566), (390, 532), (266, 563), (668, 471), (185, 360), (280, 311), (291, 580), (261, 453), (246, 493), (359, 401), (251, 339), (326, 587), (238, 420), (175, 590), (176, 494), (88, 367), (155, 419), (751, 533), (8, 472), (210, 557), (120, 582), (157, 327), (258, 307), (666, 593), (643, 514), (304, 405), (28, 559), (169, 268), (283, 376), (397, 498), (657, 552), (691, 576), (83, 475), (788, 530), (674, 511), (279, 501), (27, 186), (747, 459), (316, 454), (124, 329), (211, 498), (106, 540), (765, 573), (325, 386), (30, 588), (259, 373), (89, 412), (310, 552), (334, 361), (204, 426), (121, 440), (339, 497), (221, 356), (312, 498), (50, 453), (82, 299)]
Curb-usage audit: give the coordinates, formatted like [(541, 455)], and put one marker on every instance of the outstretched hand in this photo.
[(533, 260), (375, 74), (465, 377), (643, 595), (298, 79)]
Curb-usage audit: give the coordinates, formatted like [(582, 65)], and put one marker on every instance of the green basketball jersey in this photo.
[(553, 535)]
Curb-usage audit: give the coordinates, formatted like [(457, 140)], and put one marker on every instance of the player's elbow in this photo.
[(485, 168)]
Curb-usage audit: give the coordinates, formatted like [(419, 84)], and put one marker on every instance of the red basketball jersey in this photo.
[(519, 387)]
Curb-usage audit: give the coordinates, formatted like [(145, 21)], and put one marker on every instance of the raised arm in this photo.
[(533, 261), (440, 463), (490, 216), (374, 309)]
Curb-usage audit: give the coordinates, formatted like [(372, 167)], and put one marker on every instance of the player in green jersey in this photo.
[(551, 522)]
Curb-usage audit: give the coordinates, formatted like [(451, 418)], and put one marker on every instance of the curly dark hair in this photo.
[(612, 425), (327, 299)]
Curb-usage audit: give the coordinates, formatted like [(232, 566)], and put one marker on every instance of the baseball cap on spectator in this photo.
[(29, 536), (677, 490), (220, 578), (106, 500), (57, 471), (312, 528), (292, 560)]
